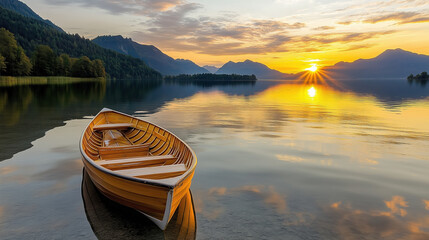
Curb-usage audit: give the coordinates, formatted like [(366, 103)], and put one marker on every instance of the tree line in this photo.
[(212, 77), (30, 33), (44, 61)]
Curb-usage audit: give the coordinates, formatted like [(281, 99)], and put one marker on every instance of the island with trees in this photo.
[(421, 78), (43, 61)]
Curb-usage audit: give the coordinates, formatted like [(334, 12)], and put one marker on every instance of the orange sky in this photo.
[(287, 35)]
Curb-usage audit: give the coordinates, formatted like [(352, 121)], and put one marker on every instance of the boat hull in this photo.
[(110, 220), (154, 198)]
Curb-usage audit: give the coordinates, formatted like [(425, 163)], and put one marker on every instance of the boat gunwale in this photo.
[(134, 179)]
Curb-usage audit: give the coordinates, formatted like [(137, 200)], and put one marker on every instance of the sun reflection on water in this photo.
[(311, 92)]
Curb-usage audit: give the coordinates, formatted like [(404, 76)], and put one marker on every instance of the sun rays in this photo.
[(316, 75)]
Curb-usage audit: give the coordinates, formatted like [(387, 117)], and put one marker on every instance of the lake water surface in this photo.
[(276, 159)]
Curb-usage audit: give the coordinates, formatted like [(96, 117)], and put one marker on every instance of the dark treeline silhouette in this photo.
[(44, 62), (421, 78), (211, 83), (211, 77), (30, 33)]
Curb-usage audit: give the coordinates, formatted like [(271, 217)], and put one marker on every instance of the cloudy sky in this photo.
[(287, 35)]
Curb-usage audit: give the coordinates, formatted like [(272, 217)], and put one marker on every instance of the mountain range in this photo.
[(151, 55), (165, 64), (31, 30), (392, 63)]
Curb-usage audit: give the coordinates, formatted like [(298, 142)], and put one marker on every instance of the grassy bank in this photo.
[(6, 81)]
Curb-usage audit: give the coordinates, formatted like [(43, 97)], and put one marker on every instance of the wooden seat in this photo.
[(115, 138), (166, 171), (113, 126), (125, 151), (137, 162)]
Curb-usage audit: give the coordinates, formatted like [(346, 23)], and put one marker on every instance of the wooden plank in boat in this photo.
[(160, 136), (165, 170), (126, 151), (111, 126), (137, 162)]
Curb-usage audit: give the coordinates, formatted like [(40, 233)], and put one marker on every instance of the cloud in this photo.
[(273, 25), (345, 22), (359, 46), (176, 29), (324, 28), (399, 11), (344, 37), (140, 7), (377, 5), (175, 25), (399, 18)]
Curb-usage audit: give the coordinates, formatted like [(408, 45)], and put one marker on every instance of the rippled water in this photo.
[(275, 160)]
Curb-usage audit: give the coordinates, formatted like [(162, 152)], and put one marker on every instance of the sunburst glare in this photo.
[(313, 68), (316, 75)]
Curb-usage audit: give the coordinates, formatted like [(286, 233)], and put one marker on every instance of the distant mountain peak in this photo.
[(392, 63), (395, 52), (249, 67)]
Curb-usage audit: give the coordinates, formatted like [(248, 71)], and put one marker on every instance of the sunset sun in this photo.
[(313, 68)]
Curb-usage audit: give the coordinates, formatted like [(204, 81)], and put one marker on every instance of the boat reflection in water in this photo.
[(110, 220)]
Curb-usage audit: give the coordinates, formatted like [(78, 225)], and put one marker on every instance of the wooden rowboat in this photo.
[(137, 164)]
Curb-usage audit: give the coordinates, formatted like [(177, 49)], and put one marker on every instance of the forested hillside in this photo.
[(44, 62), (31, 33), (22, 8)]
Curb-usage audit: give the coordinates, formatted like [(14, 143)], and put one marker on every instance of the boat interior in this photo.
[(135, 148)]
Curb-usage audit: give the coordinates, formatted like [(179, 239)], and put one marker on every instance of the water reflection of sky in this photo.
[(274, 163)]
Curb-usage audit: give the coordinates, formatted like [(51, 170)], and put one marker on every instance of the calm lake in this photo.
[(276, 159)]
